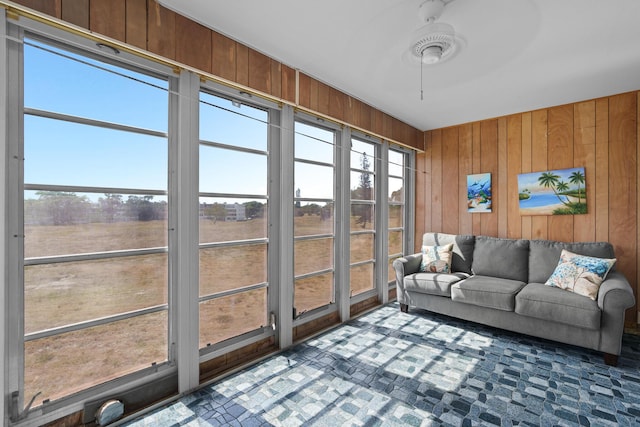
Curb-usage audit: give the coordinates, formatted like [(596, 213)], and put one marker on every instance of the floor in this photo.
[(389, 368)]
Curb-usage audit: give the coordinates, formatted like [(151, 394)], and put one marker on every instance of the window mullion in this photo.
[(15, 214), (284, 228), (382, 223), (184, 286)]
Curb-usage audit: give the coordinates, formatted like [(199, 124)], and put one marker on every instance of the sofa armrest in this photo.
[(406, 265), (615, 293), (614, 297)]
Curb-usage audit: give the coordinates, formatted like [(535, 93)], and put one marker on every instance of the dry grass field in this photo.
[(67, 293)]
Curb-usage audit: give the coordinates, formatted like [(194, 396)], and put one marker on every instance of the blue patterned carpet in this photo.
[(388, 368)]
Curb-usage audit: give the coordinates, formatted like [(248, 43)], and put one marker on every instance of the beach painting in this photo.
[(554, 192), (479, 193)]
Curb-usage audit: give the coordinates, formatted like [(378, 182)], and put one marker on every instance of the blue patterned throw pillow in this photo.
[(436, 259), (580, 274)]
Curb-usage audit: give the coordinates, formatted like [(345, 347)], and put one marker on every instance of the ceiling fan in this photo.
[(434, 42)]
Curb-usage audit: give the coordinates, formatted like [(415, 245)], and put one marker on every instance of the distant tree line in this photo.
[(66, 208)]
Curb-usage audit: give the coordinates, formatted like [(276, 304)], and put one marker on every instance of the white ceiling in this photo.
[(517, 55)]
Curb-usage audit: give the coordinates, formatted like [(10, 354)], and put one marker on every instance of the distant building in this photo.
[(235, 212)]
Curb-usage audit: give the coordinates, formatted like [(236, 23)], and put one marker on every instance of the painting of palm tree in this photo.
[(554, 192)]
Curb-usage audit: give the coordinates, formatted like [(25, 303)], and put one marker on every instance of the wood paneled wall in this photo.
[(147, 25), (602, 135)]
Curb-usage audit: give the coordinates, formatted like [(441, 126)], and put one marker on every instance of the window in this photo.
[(363, 218), (313, 220), (397, 197), (233, 223), (95, 189)]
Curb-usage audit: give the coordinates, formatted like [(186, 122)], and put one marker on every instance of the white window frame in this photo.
[(16, 30)]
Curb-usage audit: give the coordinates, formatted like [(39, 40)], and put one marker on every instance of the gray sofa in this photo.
[(500, 283)]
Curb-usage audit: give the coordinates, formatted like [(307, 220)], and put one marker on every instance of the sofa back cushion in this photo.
[(505, 258), (544, 255), (462, 249)]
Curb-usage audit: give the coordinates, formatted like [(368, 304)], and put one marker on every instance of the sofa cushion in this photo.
[(554, 304), (580, 274), (462, 248), (432, 283), (503, 258), (436, 259), (544, 255), (486, 291)]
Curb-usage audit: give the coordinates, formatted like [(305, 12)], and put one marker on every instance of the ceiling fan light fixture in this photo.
[(433, 43)]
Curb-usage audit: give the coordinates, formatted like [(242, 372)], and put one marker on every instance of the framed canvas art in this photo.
[(554, 192), (479, 193)]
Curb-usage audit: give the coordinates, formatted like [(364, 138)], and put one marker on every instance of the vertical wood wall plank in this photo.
[(337, 104), (560, 156), (136, 24), (476, 221), (223, 56), (539, 223), (259, 71), (623, 182), (422, 207), (108, 17), (500, 192), (489, 164), (602, 170), (242, 64), (288, 84), (193, 44), (323, 98), (450, 186), (513, 163), (161, 30), (527, 130), (584, 155), (465, 149), (49, 7), (304, 90), (313, 94), (436, 181), (276, 78), (77, 13)]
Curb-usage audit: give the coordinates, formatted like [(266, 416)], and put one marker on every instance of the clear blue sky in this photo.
[(64, 153)]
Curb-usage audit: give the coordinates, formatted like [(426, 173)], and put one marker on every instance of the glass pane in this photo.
[(362, 186), (64, 153), (396, 163), (396, 191), (396, 216), (72, 292), (313, 218), (224, 220), (313, 255), (395, 242), (362, 247), (230, 171), (239, 125), (313, 181), (313, 292), (60, 365), (232, 267), (59, 223), (361, 278), (362, 216), (313, 143), (233, 315), (363, 155), (72, 84)]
